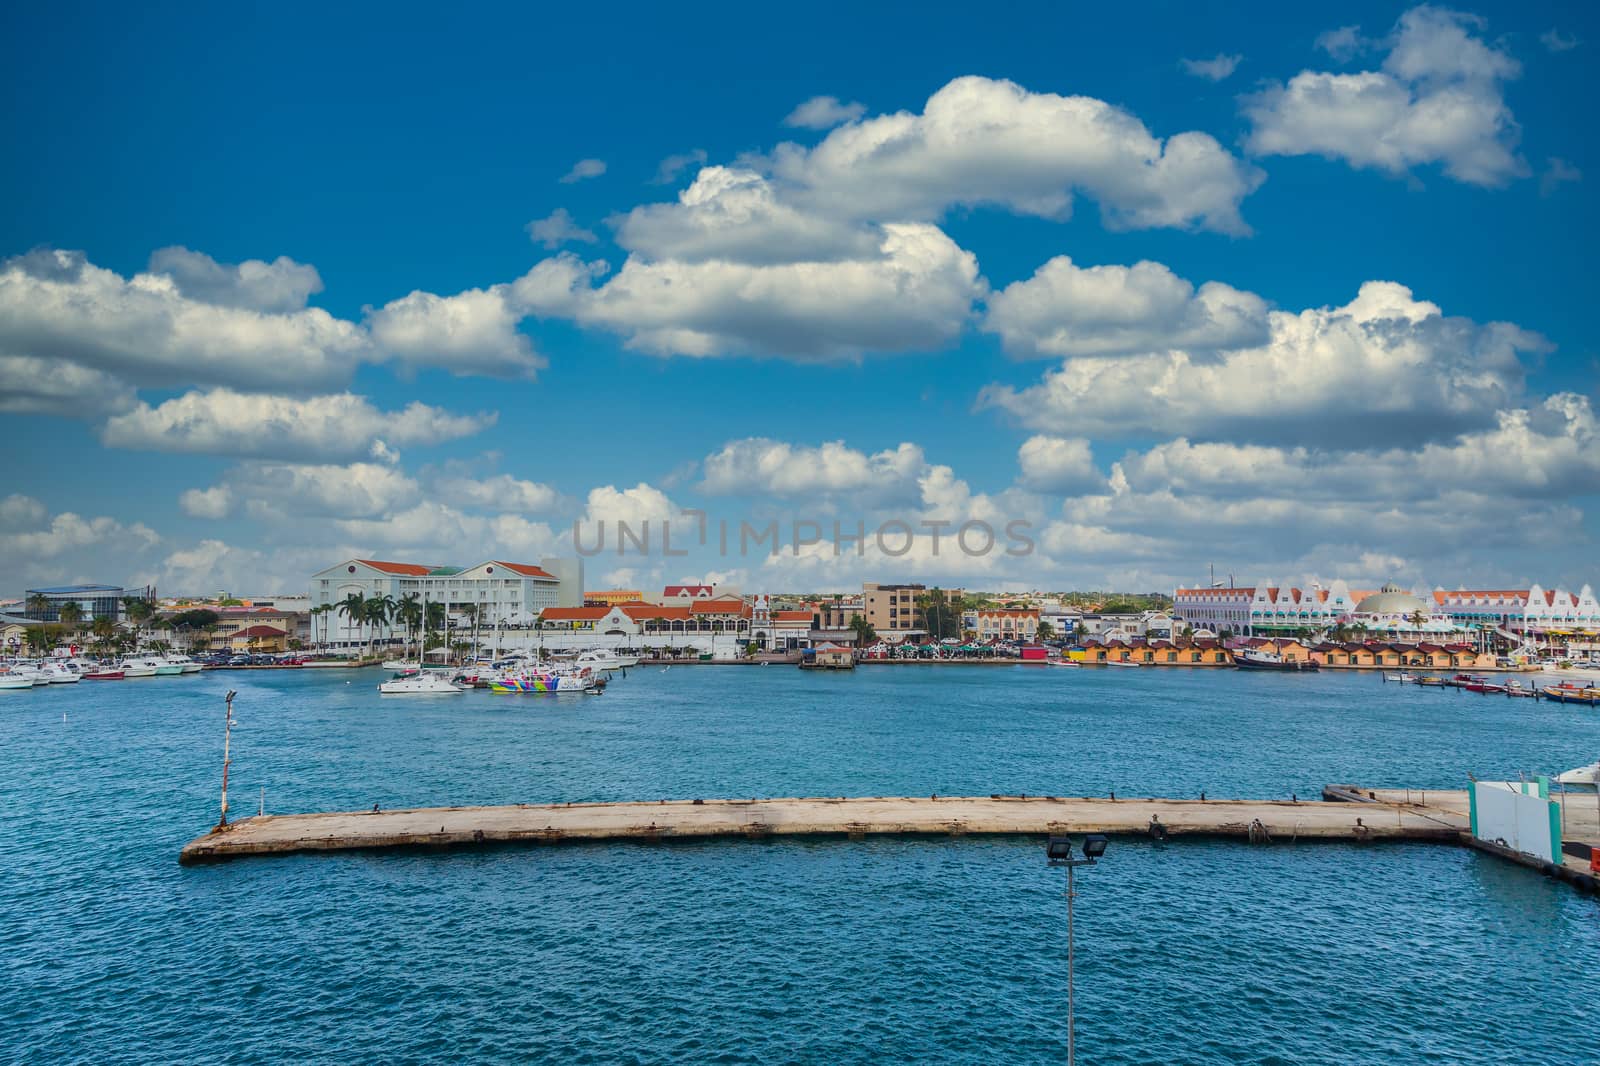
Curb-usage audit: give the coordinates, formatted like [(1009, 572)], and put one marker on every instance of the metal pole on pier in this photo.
[(1071, 1036), (227, 739)]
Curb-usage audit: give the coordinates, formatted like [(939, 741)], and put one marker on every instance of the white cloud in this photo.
[(472, 332), (915, 293), (213, 565), (1383, 368), (1557, 172), (1438, 98), (584, 168), (1344, 43), (733, 214), (759, 466), (501, 492), (57, 306), (34, 385), (635, 506), (68, 533), (214, 502), (558, 229), (224, 422), (984, 142), (281, 285), (823, 113), (1216, 68), (1556, 41), (673, 165), (1069, 310), (1058, 464), (18, 511)]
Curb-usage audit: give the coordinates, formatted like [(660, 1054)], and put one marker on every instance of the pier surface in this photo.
[(1385, 818)]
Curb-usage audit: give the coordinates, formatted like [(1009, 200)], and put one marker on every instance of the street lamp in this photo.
[(1058, 852)]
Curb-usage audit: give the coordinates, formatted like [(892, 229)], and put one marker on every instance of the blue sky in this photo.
[(919, 302)]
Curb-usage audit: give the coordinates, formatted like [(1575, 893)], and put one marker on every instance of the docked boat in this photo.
[(138, 667), (402, 665), (1433, 681), (1268, 660), (1480, 684), (184, 664), (1403, 678), (11, 680), (421, 683), (1583, 775), (1568, 692), (602, 659), (58, 674), (1517, 688), (102, 673)]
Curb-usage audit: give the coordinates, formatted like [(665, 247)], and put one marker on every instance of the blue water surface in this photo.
[(786, 951)]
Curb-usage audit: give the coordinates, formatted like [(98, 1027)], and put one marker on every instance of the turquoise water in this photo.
[(788, 951)]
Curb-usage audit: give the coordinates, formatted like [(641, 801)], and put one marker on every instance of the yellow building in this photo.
[(612, 597)]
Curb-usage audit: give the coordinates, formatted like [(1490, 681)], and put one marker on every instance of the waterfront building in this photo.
[(682, 594), (499, 592), (1553, 616), (1267, 609), (1010, 624), (837, 613), (93, 601), (609, 621), (779, 630), (892, 610)]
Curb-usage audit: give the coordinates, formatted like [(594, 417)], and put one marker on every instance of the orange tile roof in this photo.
[(574, 614), (791, 616), (640, 611), (525, 570), (690, 590), (409, 569), (259, 631), (719, 606)]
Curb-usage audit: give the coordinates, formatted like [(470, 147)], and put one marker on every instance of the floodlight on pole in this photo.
[(1058, 852)]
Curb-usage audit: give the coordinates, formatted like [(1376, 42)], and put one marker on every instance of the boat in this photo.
[(545, 682), (1583, 775), (1268, 660), (1119, 662), (1062, 662), (602, 659), (1517, 688), (138, 667), (402, 665), (33, 672), (1478, 683), (1567, 692), (184, 664), (1433, 681), (1403, 678), (419, 684), (11, 680), (102, 673)]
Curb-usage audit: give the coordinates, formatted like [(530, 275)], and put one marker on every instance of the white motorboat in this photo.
[(34, 673), (184, 664), (1583, 775), (58, 674), (422, 683), (12, 680), (546, 682), (602, 659), (401, 665), (138, 668)]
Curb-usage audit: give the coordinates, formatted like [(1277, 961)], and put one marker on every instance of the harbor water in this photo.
[(788, 950)]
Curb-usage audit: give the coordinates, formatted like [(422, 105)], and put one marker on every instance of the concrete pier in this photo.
[(1261, 821)]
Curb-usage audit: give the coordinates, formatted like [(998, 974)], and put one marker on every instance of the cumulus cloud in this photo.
[(1064, 309), (1058, 464), (472, 332), (759, 466), (1438, 98), (824, 113), (1344, 43), (57, 306), (558, 228), (916, 292), (68, 533), (501, 492), (1384, 367), (18, 511), (214, 502), (980, 141), (735, 214), (673, 165), (1216, 68), (31, 385), (584, 168), (281, 285), (225, 422)]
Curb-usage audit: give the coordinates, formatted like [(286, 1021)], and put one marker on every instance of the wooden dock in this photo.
[(1261, 821)]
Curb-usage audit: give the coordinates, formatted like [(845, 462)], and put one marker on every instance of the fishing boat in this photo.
[(1119, 662), (401, 665), (138, 668), (1062, 662), (1403, 678), (1432, 681), (102, 673), (12, 681), (184, 664), (58, 674), (602, 659), (1517, 688), (1478, 683), (421, 683), (1268, 660)]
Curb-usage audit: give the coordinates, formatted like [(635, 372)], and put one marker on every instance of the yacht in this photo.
[(11, 677), (421, 683), (138, 667), (184, 664), (58, 674), (402, 665), (602, 659), (1583, 775)]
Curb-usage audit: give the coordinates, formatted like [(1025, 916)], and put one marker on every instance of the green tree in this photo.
[(71, 616), (354, 609), (377, 611), (408, 613), (941, 615), (1418, 619), (865, 634), (42, 638), (38, 605), (471, 611), (1046, 631)]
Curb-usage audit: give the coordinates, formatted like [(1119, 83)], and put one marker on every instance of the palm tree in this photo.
[(378, 610), (1418, 618), (471, 611), (72, 617), (408, 612), (354, 609), (38, 605)]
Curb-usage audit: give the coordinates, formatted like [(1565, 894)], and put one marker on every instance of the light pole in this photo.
[(227, 739), (1058, 852)]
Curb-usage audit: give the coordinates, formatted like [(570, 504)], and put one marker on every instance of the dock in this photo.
[(1332, 818)]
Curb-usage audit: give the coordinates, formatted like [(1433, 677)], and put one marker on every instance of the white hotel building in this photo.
[(502, 592)]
